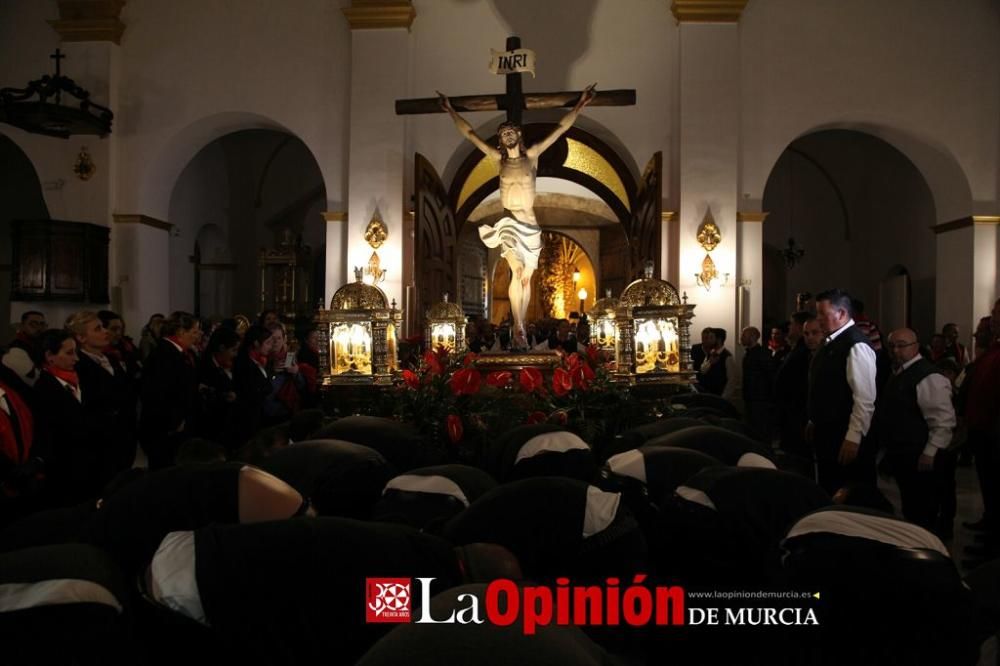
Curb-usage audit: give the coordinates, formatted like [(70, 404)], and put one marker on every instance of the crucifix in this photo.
[(514, 101), (517, 233)]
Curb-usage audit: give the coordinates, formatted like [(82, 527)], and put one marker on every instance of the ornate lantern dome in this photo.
[(445, 310), (359, 296), (653, 332), (357, 336), (607, 304), (649, 291)]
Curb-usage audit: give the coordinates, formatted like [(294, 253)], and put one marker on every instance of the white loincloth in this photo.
[(521, 241)]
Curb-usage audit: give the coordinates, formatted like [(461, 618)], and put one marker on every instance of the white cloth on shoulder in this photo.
[(519, 240), (174, 583)]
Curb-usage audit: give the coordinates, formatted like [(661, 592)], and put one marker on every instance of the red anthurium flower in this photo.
[(559, 417), (500, 378), (573, 360), (536, 417), (433, 363), (411, 379), (530, 379), (454, 428), (594, 354), (582, 376), (562, 381), (465, 381), (468, 359)]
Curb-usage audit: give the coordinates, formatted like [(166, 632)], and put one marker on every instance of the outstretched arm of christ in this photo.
[(567, 121), (466, 129)]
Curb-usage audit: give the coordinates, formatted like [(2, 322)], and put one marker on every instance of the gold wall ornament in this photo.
[(708, 273), (709, 235), (374, 273), (376, 232), (84, 167)]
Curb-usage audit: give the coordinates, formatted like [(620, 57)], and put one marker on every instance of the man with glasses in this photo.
[(24, 353), (916, 421), (841, 397)]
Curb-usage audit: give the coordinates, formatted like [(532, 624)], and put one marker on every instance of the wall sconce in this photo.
[(374, 274), (792, 254), (84, 168), (376, 234), (709, 238)]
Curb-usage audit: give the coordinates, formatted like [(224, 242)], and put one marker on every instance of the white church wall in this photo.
[(923, 75), (194, 71)]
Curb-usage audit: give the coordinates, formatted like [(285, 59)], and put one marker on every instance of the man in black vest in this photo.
[(916, 420), (841, 397), (718, 374)]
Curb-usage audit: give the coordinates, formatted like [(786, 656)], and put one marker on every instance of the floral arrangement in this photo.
[(457, 406)]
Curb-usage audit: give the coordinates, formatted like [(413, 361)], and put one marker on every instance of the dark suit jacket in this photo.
[(697, 357), (169, 390), (71, 439), (252, 391), (108, 400), (216, 417)]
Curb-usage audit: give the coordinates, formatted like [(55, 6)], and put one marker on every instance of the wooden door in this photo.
[(435, 239), (644, 234)]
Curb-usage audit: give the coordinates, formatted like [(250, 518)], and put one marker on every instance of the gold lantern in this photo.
[(445, 326), (358, 336), (654, 332), (604, 331)]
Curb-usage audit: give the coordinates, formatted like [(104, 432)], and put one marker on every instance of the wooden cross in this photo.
[(57, 56), (514, 101)]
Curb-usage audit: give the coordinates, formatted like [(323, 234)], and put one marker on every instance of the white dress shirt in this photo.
[(934, 399), (75, 391), (861, 379)]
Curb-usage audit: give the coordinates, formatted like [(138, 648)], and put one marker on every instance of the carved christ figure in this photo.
[(517, 232)]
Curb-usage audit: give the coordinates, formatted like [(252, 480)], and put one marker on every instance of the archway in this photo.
[(564, 268), (855, 206), (21, 194), (244, 191)]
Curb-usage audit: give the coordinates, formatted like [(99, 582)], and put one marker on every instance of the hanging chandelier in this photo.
[(39, 109)]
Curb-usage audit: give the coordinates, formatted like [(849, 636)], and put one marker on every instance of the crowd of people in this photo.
[(80, 401), (267, 562), (566, 335), (844, 404)]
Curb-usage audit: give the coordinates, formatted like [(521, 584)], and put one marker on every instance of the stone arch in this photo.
[(157, 181), (856, 204), (947, 180)]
